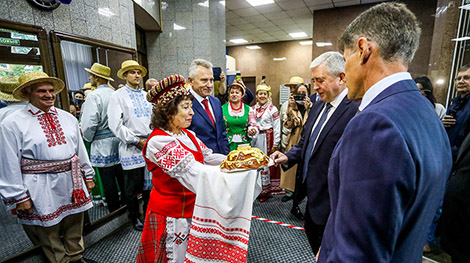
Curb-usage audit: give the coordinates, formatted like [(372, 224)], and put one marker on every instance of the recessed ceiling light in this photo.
[(440, 81), (260, 2), (279, 59), (253, 47), (304, 43), (238, 40), (298, 34), (323, 44), (222, 2), (178, 27)]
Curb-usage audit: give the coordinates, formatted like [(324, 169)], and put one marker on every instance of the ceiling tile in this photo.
[(371, 1), (285, 21), (246, 12), (236, 4), (321, 6), (271, 29), (290, 28), (254, 31), (276, 15), (293, 4), (263, 9), (346, 3), (230, 14), (246, 26), (258, 18), (304, 11), (316, 2), (237, 21), (264, 24)]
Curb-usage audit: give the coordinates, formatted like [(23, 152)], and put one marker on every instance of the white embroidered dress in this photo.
[(52, 136), (179, 163), (129, 115), (267, 117), (104, 150)]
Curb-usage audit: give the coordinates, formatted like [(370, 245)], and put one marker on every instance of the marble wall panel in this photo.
[(79, 27), (5, 10), (21, 12), (62, 19), (44, 19)]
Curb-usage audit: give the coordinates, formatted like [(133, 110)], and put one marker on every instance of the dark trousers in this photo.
[(300, 192), (313, 231), (111, 177), (134, 183)]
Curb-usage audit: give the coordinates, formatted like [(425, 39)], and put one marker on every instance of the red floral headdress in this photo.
[(167, 89)]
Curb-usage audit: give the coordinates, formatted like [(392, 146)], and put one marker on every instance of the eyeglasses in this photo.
[(466, 78)]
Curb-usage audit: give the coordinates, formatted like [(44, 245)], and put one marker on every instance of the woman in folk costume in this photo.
[(239, 118), (175, 157), (269, 138), (296, 115)]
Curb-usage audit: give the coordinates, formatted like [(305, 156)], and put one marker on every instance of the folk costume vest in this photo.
[(174, 200)]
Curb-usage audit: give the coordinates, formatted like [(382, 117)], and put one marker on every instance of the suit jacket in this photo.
[(318, 201), (386, 179), (454, 224), (214, 138)]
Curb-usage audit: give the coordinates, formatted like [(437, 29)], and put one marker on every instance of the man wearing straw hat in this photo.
[(104, 150), (129, 116), (7, 85), (46, 176)]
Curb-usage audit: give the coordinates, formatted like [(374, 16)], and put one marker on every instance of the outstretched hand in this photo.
[(25, 208), (278, 158)]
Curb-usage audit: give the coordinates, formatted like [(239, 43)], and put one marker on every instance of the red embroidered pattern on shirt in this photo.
[(208, 230), (56, 214), (51, 127), (276, 115), (205, 220), (11, 201), (170, 155), (215, 250)]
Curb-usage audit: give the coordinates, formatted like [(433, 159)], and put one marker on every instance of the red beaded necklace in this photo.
[(237, 109)]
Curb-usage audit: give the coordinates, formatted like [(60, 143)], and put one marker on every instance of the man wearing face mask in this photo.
[(208, 120), (129, 115)]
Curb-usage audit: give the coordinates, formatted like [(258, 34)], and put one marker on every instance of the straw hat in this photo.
[(294, 81), (100, 70), (239, 85), (130, 65), (88, 86), (167, 89), (263, 87), (7, 85), (34, 77)]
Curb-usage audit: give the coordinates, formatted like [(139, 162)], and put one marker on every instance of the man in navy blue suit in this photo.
[(388, 171), (325, 125), (208, 120)]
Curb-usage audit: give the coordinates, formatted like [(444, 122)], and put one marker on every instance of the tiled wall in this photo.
[(171, 51), (80, 17)]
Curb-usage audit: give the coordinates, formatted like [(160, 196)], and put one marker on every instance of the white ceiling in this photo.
[(274, 22)]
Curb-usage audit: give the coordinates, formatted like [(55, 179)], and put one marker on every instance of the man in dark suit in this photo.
[(208, 120), (454, 224), (388, 171), (324, 126)]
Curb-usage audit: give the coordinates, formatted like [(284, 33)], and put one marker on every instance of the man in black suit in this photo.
[(325, 124), (454, 224)]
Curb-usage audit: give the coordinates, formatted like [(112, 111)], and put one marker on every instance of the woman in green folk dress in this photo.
[(239, 118)]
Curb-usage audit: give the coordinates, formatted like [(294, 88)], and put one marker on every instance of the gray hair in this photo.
[(333, 60), (198, 62), (392, 26)]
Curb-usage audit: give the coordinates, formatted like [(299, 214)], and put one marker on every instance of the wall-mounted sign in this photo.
[(9, 41)]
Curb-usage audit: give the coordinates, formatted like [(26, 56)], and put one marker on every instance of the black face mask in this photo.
[(78, 102)]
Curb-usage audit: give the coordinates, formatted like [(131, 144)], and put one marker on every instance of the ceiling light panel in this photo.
[(253, 47), (238, 40), (298, 34), (260, 2)]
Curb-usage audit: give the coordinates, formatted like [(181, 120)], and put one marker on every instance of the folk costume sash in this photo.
[(30, 166)]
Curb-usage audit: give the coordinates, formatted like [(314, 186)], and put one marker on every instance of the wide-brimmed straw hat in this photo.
[(130, 65), (101, 71), (166, 89), (263, 87), (294, 81), (34, 77), (239, 85), (7, 86)]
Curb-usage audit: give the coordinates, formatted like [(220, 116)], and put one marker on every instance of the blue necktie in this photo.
[(311, 140)]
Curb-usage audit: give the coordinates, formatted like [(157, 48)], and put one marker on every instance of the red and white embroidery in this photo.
[(51, 127), (171, 155), (57, 213)]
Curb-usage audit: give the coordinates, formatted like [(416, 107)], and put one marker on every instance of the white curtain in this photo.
[(76, 57)]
